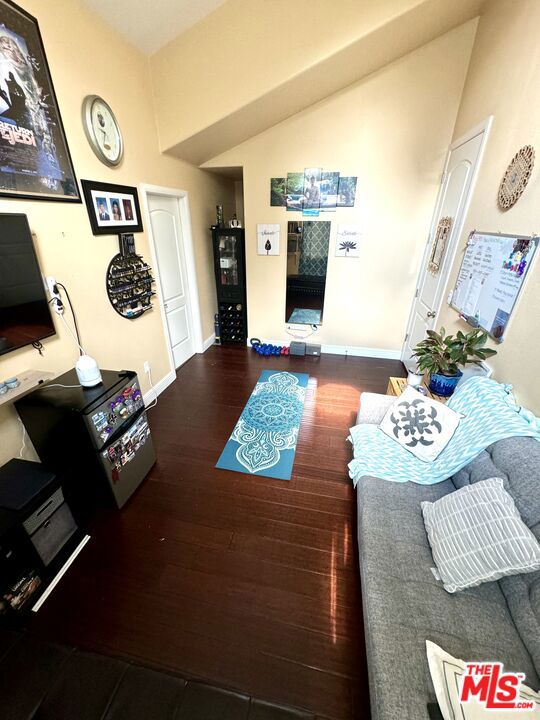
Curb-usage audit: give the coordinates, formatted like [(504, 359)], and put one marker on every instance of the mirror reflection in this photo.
[(307, 258)]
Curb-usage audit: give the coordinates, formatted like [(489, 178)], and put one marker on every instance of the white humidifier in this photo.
[(87, 371)]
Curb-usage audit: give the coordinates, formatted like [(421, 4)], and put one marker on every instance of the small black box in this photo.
[(21, 481), (298, 348), (313, 349)]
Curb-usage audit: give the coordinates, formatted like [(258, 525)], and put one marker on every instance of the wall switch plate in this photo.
[(146, 367)]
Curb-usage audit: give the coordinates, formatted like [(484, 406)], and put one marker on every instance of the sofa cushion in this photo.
[(517, 461), (422, 426), (477, 535), (404, 605), (522, 594)]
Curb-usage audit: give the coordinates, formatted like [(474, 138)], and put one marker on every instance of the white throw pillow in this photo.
[(477, 535), (447, 673), (419, 424)]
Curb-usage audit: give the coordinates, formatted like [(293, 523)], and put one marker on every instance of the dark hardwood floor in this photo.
[(248, 582)]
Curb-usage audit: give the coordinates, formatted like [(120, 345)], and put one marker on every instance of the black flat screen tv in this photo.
[(25, 315)]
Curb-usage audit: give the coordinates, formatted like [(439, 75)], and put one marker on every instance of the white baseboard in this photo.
[(59, 575), (357, 351), (209, 342), (352, 350), (159, 387)]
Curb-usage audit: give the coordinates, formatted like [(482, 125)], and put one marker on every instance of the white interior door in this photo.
[(172, 275), (457, 184)]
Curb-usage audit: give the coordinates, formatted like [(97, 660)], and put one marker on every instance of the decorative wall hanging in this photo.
[(129, 281), (278, 192), (112, 208), (102, 130), (35, 160), (439, 244), (346, 191), (348, 240), (329, 191), (268, 239), (313, 191), (516, 177)]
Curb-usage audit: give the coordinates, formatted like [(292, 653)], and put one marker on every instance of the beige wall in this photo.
[(263, 61), (392, 131), (85, 56), (504, 81), (249, 46)]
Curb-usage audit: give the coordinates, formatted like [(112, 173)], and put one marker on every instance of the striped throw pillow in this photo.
[(477, 535)]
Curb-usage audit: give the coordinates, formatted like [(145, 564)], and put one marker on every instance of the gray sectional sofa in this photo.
[(403, 603)]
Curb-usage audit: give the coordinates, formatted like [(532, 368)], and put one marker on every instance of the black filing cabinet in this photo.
[(230, 271)]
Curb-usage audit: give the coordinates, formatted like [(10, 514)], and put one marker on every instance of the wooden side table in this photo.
[(396, 385)]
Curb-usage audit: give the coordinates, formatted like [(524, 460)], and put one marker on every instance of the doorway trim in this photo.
[(182, 197), (483, 127)]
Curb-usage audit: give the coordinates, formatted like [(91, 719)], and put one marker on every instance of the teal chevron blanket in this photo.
[(490, 414)]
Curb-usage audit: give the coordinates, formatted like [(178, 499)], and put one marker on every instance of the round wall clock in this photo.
[(102, 130), (516, 177)]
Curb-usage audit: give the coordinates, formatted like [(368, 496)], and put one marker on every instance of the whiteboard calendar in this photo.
[(490, 279)]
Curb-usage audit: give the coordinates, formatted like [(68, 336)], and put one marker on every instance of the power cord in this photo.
[(155, 400), (73, 315), (23, 446), (62, 318), (308, 334)]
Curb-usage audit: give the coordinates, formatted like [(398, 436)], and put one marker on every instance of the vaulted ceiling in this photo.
[(151, 25)]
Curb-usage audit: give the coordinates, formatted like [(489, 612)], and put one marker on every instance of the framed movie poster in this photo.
[(34, 155), (112, 209)]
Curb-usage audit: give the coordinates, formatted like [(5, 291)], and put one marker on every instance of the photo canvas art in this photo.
[(295, 191), (329, 191), (278, 192), (268, 239), (312, 188), (346, 191), (348, 240), (34, 155)]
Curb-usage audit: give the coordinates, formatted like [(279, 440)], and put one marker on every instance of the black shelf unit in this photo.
[(230, 272)]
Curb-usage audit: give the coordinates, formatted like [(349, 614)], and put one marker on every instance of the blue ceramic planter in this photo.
[(444, 385)]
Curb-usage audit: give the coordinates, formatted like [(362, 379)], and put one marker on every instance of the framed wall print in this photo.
[(268, 239), (112, 209), (34, 156)]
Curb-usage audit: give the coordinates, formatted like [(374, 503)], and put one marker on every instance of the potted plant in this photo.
[(441, 356)]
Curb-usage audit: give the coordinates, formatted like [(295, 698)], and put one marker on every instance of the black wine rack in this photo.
[(129, 285), (232, 322)]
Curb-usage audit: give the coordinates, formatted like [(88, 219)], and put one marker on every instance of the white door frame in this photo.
[(191, 270), (483, 127)]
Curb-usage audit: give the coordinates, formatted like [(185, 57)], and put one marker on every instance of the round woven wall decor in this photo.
[(516, 177)]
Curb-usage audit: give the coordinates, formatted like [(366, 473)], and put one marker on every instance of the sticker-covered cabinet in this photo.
[(230, 272)]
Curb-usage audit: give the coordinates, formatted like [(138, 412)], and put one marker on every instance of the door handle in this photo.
[(166, 306), (430, 314)]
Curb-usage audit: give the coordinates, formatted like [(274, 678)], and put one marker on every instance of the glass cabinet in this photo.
[(228, 254), (230, 272)]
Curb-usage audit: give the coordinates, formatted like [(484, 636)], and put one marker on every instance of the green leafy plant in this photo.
[(441, 353)]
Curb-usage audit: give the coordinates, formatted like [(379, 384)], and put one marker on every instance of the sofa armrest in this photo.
[(373, 407)]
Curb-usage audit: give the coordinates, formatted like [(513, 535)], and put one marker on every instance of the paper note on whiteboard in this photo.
[(491, 276)]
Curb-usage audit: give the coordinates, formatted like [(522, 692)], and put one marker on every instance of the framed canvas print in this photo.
[(268, 239), (346, 191), (35, 162), (112, 209), (348, 240)]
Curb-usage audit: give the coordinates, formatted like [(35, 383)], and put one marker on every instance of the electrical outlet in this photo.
[(146, 367), (54, 292)]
